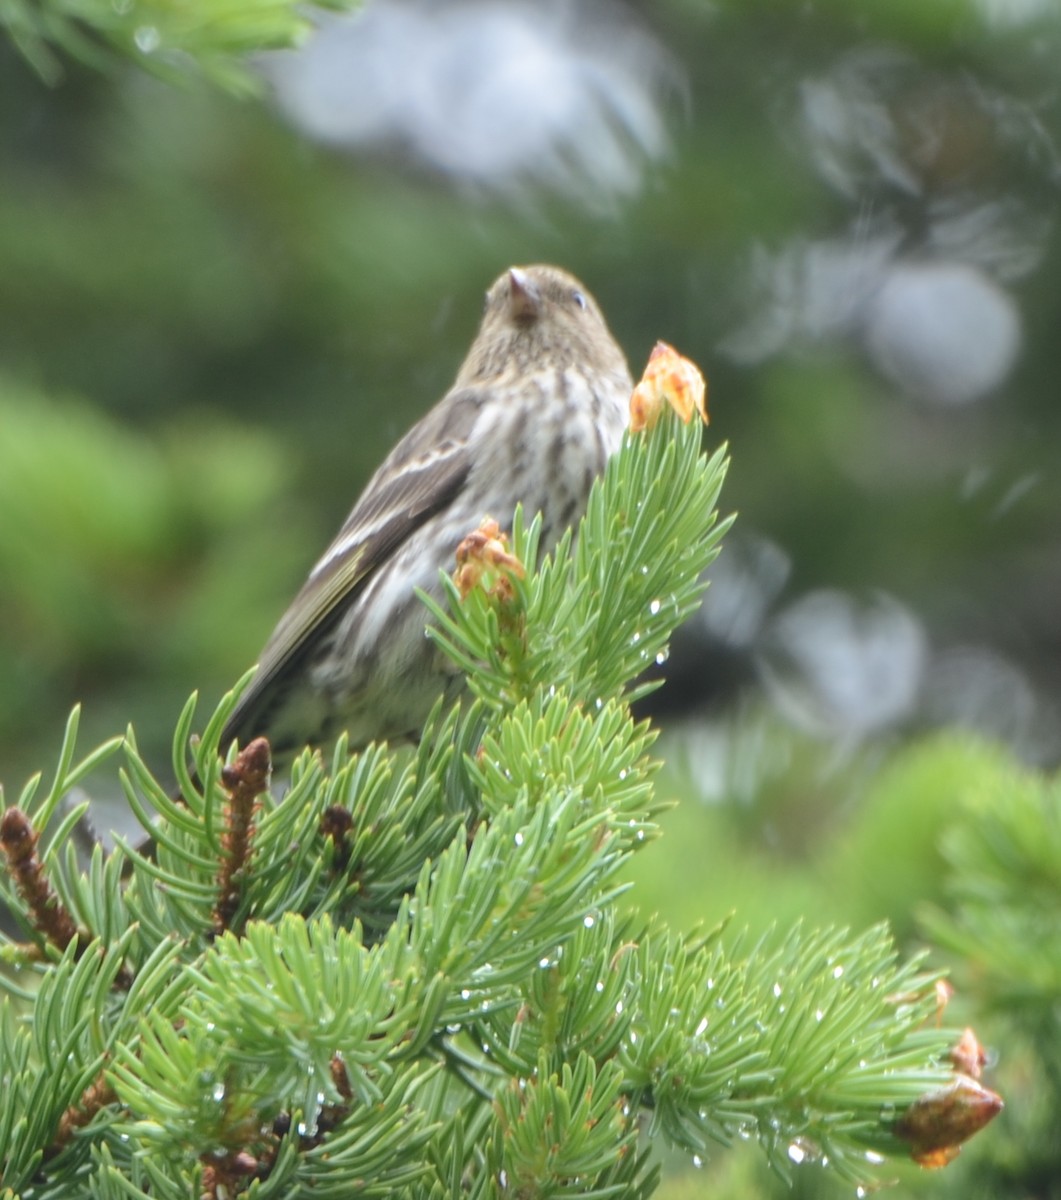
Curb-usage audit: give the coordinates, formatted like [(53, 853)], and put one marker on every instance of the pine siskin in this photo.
[(536, 409)]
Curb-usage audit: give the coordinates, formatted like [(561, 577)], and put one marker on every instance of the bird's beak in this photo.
[(524, 298)]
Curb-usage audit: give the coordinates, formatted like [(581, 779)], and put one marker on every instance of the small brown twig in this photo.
[(50, 917), (336, 823), (246, 779), (92, 1100), (340, 1078), (228, 1174)]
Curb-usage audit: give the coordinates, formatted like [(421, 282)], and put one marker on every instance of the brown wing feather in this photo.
[(408, 489)]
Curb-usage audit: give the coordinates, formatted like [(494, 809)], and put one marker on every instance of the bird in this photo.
[(538, 405)]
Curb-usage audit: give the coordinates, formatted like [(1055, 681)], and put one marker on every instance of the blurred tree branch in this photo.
[(211, 38)]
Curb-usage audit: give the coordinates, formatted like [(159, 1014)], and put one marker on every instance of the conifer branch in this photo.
[(424, 983)]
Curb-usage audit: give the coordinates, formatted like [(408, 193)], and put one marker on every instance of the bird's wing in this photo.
[(421, 476)]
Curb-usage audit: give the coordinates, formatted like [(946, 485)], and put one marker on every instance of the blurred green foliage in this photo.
[(951, 842), (209, 37), (128, 558)]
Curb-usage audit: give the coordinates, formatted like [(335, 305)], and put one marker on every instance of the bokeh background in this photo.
[(216, 316)]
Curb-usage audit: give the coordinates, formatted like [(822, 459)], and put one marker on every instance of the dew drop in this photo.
[(654, 607), (147, 39)]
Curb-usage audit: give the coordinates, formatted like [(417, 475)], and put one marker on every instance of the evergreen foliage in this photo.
[(412, 975), (1004, 916), (1002, 921), (211, 37)]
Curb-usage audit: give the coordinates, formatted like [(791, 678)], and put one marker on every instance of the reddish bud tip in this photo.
[(937, 1123)]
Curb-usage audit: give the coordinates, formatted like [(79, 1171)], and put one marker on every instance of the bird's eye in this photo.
[(579, 299)]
